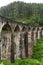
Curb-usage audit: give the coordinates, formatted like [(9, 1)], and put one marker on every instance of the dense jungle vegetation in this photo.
[(31, 13)]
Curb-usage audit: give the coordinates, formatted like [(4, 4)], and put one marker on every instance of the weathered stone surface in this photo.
[(18, 30)]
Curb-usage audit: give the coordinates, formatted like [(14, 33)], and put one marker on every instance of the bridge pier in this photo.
[(17, 42), (34, 36), (0, 46), (22, 47), (30, 44), (6, 46), (39, 33)]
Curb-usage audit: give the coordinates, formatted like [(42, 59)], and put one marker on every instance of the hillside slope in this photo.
[(23, 12)]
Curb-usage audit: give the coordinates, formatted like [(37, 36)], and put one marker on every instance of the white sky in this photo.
[(6, 2)]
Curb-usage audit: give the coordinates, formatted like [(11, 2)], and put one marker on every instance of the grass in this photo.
[(25, 61)]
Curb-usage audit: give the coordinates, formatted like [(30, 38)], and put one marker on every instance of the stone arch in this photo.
[(17, 29), (6, 27), (6, 33), (24, 28)]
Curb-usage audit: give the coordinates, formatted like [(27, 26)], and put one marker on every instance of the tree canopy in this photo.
[(23, 12)]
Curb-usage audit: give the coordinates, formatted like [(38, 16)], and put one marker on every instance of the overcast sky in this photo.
[(6, 2)]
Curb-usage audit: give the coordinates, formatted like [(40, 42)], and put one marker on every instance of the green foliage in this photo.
[(24, 61), (26, 13), (38, 50), (2, 63), (31, 13)]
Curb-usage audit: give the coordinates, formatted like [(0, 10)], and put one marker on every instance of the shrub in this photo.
[(38, 50), (24, 61)]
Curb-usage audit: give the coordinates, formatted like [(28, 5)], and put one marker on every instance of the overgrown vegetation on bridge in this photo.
[(24, 12)]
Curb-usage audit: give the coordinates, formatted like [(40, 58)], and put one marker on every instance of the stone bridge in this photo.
[(17, 39)]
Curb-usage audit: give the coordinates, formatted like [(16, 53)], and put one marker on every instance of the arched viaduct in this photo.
[(17, 39)]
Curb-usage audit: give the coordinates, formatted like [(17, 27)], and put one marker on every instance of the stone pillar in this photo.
[(17, 42), (8, 47), (30, 43), (34, 37), (39, 33), (0, 45), (1, 52), (6, 41), (1, 48), (12, 48), (22, 48), (29, 36)]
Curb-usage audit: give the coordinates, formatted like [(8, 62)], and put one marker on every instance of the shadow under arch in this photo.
[(17, 29), (33, 29), (24, 28), (6, 27), (26, 43), (37, 33), (29, 28)]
